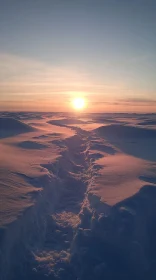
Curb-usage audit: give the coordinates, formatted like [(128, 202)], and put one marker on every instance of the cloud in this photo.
[(139, 101), (33, 82), (19, 72)]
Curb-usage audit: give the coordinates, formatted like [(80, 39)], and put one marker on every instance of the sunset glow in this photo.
[(78, 103)]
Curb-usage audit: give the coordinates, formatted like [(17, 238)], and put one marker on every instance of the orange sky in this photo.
[(36, 86)]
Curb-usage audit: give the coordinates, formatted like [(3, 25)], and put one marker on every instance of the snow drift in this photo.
[(11, 127)]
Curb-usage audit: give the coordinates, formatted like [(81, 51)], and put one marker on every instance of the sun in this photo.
[(78, 103)]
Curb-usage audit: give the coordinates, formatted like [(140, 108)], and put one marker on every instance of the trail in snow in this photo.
[(50, 224)]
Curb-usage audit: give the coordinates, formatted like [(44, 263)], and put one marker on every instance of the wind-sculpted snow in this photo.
[(136, 141), (121, 244), (148, 122), (11, 127), (76, 203), (31, 145), (62, 122), (123, 131)]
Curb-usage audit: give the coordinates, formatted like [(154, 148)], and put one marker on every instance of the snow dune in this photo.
[(124, 131), (11, 127), (136, 141)]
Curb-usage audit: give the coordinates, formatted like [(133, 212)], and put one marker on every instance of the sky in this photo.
[(52, 51)]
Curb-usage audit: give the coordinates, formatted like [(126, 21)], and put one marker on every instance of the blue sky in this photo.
[(52, 50)]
